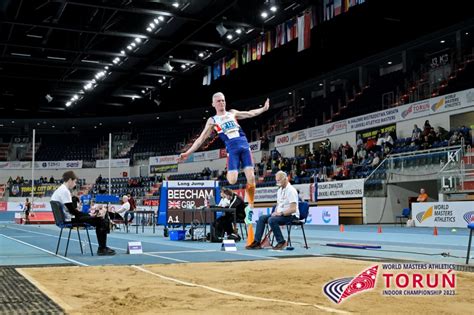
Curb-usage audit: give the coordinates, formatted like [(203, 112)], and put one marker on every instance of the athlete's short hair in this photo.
[(217, 94)]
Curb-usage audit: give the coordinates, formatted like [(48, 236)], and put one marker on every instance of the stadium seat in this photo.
[(405, 215)]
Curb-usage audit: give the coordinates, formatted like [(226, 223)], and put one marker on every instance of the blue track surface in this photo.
[(35, 245)]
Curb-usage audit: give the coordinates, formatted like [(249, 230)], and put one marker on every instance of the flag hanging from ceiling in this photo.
[(328, 9), (216, 70), (227, 66), (269, 43), (259, 48), (278, 31), (291, 30), (223, 72), (282, 34), (304, 31), (207, 78), (337, 7), (254, 50), (244, 55)]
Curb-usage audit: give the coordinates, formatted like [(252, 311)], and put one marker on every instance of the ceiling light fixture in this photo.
[(176, 4), (264, 14)]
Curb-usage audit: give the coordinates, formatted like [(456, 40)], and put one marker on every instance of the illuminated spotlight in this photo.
[(148, 29), (320, 84), (176, 4), (264, 14), (129, 122), (133, 44), (389, 62), (183, 66), (442, 41), (156, 21), (201, 55), (161, 18), (164, 78), (143, 91), (152, 25), (106, 67), (238, 31), (229, 36), (68, 103), (75, 97), (116, 60), (129, 47), (138, 40), (273, 8), (160, 81), (122, 52)]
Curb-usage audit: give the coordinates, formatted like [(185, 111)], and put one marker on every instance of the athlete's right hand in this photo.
[(183, 157)]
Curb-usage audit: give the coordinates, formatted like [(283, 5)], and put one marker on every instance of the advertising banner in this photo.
[(255, 146), (158, 169), (25, 190), (353, 188), (15, 165), (443, 214), (114, 163), (323, 215), (163, 160), (58, 164)]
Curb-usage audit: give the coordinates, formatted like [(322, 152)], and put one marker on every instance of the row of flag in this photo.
[(296, 28)]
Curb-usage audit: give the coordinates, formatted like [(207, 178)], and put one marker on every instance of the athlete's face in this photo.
[(218, 102)]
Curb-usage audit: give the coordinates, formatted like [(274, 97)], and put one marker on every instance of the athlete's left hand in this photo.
[(266, 106)]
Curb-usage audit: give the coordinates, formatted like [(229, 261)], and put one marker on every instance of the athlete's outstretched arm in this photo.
[(199, 141), (251, 113)]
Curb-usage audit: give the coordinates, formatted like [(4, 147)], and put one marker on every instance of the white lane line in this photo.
[(239, 295), (169, 258), (45, 250), (113, 247), (252, 255), (185, 251)]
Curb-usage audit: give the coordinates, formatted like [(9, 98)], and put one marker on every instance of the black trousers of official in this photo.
[(100, 224)]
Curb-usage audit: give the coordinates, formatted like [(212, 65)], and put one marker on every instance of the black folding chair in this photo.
[(61, 222)]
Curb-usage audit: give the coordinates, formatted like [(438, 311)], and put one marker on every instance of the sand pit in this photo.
[(291, 285)]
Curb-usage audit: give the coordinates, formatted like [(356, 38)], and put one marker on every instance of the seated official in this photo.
[(224, 224), (71, 214), (119, 214), (286, 210)]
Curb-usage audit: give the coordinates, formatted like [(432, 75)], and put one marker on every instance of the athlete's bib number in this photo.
[(233, 134)]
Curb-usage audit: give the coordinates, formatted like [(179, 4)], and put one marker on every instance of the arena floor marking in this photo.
[(45, 250), (239, 295), (252, 255), (169, 258), (185, 251)]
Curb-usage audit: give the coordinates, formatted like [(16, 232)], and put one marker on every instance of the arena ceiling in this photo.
[(50, 50)]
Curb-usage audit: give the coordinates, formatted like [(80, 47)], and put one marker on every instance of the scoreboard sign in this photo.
[(182, 195)]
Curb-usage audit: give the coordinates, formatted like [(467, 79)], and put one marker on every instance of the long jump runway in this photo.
[(196, 277)]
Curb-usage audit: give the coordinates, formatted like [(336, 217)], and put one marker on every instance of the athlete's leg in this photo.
[(233, 162)]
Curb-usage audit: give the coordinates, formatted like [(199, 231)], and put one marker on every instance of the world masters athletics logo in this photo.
[(340, 289), (422, 216)]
